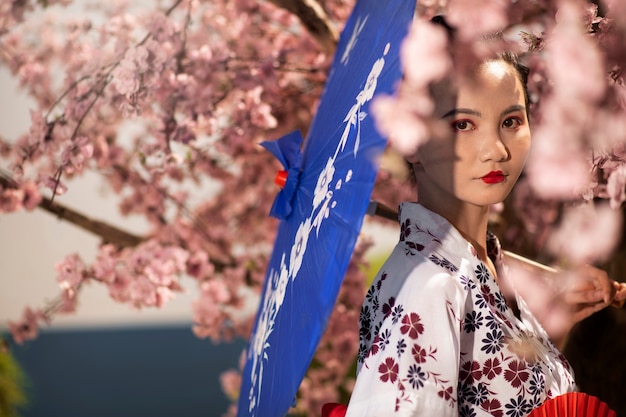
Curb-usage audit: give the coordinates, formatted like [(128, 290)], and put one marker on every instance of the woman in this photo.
[(437, 336)]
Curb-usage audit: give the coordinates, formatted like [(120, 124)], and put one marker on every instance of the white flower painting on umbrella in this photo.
[(356, 115), (299, 248), (353, 38), (272, 302), (323, 183), (321, 207)]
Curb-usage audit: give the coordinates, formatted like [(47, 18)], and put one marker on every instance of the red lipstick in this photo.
[(494, 177)]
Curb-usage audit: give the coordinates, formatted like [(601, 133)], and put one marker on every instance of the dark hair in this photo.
[(523, 71), (509, 57)]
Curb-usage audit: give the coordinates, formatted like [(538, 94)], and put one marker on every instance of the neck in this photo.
[(469, 219)]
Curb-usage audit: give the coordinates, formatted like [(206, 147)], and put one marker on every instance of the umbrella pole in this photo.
[(377, 209)]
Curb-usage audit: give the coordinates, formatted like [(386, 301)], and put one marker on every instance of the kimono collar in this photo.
[(432, 228)]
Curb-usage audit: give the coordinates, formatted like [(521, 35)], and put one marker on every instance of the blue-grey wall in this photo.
[(129, 372)]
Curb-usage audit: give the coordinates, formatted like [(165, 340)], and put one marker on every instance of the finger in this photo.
[(584, 297), (620, 291), (600, 281), (620, 294), (603, 284)]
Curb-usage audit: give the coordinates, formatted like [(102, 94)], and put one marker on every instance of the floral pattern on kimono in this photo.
[(437, 337)]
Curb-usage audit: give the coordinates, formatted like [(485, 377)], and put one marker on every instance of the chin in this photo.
[(488, 200), (493, 196)]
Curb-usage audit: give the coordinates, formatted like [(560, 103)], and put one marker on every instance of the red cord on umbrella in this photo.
[(281, 178)]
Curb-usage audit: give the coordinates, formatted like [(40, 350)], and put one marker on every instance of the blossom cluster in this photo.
[(578, 111), (203, 82)]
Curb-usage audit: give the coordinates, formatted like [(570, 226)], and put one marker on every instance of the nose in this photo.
[(493, 148)]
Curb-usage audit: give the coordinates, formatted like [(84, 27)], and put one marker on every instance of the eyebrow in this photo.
[(462, 111), (512, 109), (476, 113)]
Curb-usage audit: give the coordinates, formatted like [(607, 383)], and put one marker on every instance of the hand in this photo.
[(588, 290), (620, 294), (559, 299)]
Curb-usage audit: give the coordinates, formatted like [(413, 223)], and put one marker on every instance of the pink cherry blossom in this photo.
[(558, 174), (32, 196), (431, 8), (587, 233), (399, 123), (28, 327), (536, 215), (590, 16), (615, 7), (142, 292), (569, 45), (104, 267), (55, 185), (406, 118), (231, 382), (119, 285), (261, 112), (476, 18), (126, 77), (70, 272), (424, 54), (39, 128), (199, 266), (76, 153), (11, 200), (67, 303), (616, 187)]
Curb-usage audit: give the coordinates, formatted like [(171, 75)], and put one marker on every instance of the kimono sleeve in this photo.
[(412, 366)]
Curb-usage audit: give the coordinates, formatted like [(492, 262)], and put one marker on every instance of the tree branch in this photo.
[(108, 233), (315, 19)]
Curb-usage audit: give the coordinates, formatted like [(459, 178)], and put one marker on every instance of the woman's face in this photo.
[(479, 156)]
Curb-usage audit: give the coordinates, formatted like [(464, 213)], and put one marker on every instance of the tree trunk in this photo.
[(315, 19)]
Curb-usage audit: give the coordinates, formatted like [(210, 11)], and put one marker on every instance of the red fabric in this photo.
[(334, 410)]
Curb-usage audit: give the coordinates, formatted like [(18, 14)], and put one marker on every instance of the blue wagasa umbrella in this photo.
[(325, 196)]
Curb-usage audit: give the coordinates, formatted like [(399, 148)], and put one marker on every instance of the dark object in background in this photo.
[(596, 349)]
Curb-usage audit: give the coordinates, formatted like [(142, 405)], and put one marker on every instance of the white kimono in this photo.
[(438, 339)]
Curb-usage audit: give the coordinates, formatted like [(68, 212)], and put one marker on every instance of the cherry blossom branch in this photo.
[(110, 234), (106, 79), (315, 19), (116, 236), (103, 82), (58, 101), (79, 123)]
